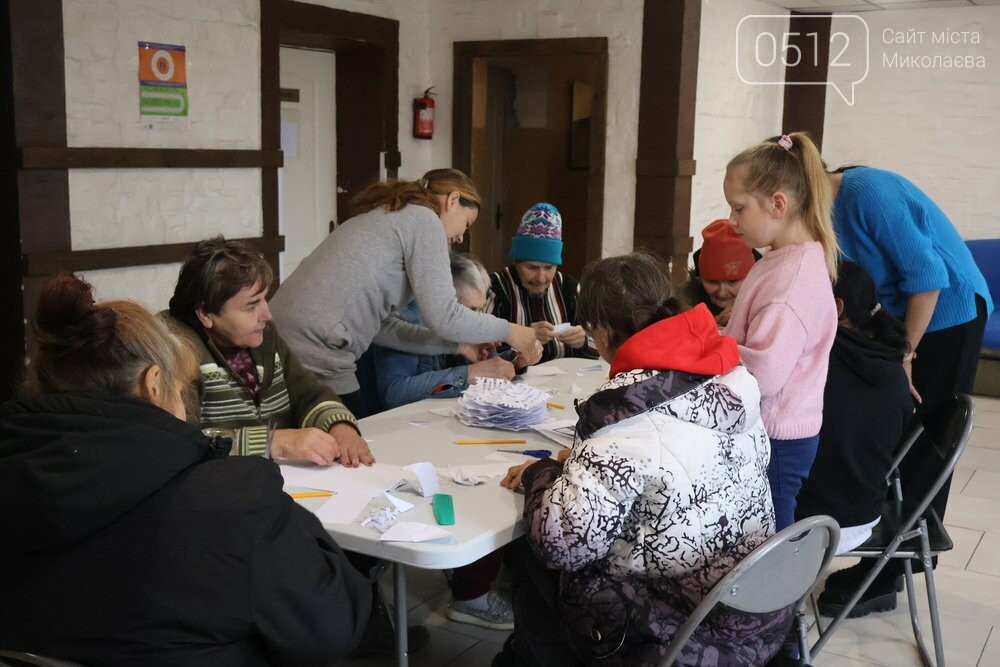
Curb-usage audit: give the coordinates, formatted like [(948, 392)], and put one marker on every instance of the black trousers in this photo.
[(945, 365), (539, 639)]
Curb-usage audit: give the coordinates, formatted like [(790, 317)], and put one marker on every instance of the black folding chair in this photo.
[(777, 574), (919, 535)]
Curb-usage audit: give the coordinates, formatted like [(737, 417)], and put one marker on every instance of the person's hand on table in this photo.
[(529, 358), (543, 331), (512, 480), (353, 448), (494, 367), (574, 337), (563, 455), (469, 350), (520, 337), (305, 444), (722, 319)]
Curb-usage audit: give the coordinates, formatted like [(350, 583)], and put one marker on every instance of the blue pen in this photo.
[(537, 453)]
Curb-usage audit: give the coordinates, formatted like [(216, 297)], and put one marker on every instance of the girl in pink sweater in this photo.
[(784, 318)]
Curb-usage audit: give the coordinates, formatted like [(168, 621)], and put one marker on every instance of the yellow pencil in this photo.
[(490, 442), (311, 494), (556, 406)]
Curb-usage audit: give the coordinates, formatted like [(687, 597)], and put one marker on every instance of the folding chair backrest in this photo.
[(778, 573), (949, 428)]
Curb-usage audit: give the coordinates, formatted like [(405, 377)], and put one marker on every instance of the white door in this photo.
[(306, 184)]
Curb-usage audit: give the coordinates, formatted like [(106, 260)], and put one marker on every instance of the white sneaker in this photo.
[(498, 615)]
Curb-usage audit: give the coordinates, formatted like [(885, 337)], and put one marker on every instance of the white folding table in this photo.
[(487, 516)]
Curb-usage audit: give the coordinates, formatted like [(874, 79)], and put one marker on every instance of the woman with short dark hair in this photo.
[(663, 492), (249, 379)]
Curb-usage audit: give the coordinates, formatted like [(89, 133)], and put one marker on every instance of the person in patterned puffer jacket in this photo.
[(664, 490)]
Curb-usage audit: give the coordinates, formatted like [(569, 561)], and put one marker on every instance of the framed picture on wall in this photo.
[(581, 107)]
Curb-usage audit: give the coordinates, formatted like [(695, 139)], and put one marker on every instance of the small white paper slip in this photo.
[(562, 431), (574, 388), (417, 422), (426, 483), (442, 412), (342, 508), (592, 369), (412, 531), (471, 475), (559, 328), (399, 503)]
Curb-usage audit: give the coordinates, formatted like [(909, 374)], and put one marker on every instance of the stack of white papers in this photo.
[(495, 403), (353, 488)]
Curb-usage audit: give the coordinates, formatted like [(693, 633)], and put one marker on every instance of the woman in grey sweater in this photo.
[(344, 296)]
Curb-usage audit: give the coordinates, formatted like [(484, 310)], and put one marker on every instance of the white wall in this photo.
[(415, 43), (730, 114), (939, 127), (618, 20), (126, 207)]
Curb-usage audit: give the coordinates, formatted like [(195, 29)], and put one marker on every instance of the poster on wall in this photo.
[(163, 91)]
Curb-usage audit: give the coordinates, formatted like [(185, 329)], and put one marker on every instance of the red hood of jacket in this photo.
[(689, 342)]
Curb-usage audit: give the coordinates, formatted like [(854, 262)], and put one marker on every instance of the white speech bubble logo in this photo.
[(772, 53)]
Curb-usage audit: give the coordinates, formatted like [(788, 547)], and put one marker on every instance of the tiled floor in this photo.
[(968, 582)]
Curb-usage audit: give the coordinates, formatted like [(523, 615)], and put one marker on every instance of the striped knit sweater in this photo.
[(509, 300), (290, 396)]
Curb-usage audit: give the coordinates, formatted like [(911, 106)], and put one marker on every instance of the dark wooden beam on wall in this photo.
[(39, 206), (805, 106), (54, 157), (49, 263), (665, 159), (11, 299)]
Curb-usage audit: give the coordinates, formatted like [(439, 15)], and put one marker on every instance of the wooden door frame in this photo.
[(464, 55), (359, 41)]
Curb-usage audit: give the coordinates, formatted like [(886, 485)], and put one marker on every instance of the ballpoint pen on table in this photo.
[(537, 453)]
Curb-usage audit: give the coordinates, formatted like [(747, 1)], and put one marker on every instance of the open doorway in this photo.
[(530, 126), (350, 62), (306, 184)]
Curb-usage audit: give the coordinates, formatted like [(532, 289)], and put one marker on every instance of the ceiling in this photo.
[(854, 6)]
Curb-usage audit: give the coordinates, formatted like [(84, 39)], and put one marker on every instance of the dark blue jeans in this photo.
[(789, 466)]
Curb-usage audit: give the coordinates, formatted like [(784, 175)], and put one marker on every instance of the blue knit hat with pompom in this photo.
[(539, 236)]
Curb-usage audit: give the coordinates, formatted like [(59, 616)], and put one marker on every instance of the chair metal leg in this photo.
[(399, 595), (803, 631), (931, 595), (816, 615), (911, 605)]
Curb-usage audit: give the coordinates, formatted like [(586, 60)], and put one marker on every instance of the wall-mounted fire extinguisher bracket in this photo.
[(423, 115)]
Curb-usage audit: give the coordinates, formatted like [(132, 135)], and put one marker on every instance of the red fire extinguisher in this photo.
[(423, 115)]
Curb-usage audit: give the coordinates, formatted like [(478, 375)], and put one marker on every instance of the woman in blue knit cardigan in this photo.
[(926, 277)]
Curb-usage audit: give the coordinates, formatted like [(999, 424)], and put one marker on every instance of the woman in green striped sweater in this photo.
[(250, 380)]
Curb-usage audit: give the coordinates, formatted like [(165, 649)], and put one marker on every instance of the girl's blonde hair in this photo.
[(792, 163), (393, 195), (103, 347)]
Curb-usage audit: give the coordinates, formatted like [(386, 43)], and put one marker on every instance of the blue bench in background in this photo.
[(986, 252)]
